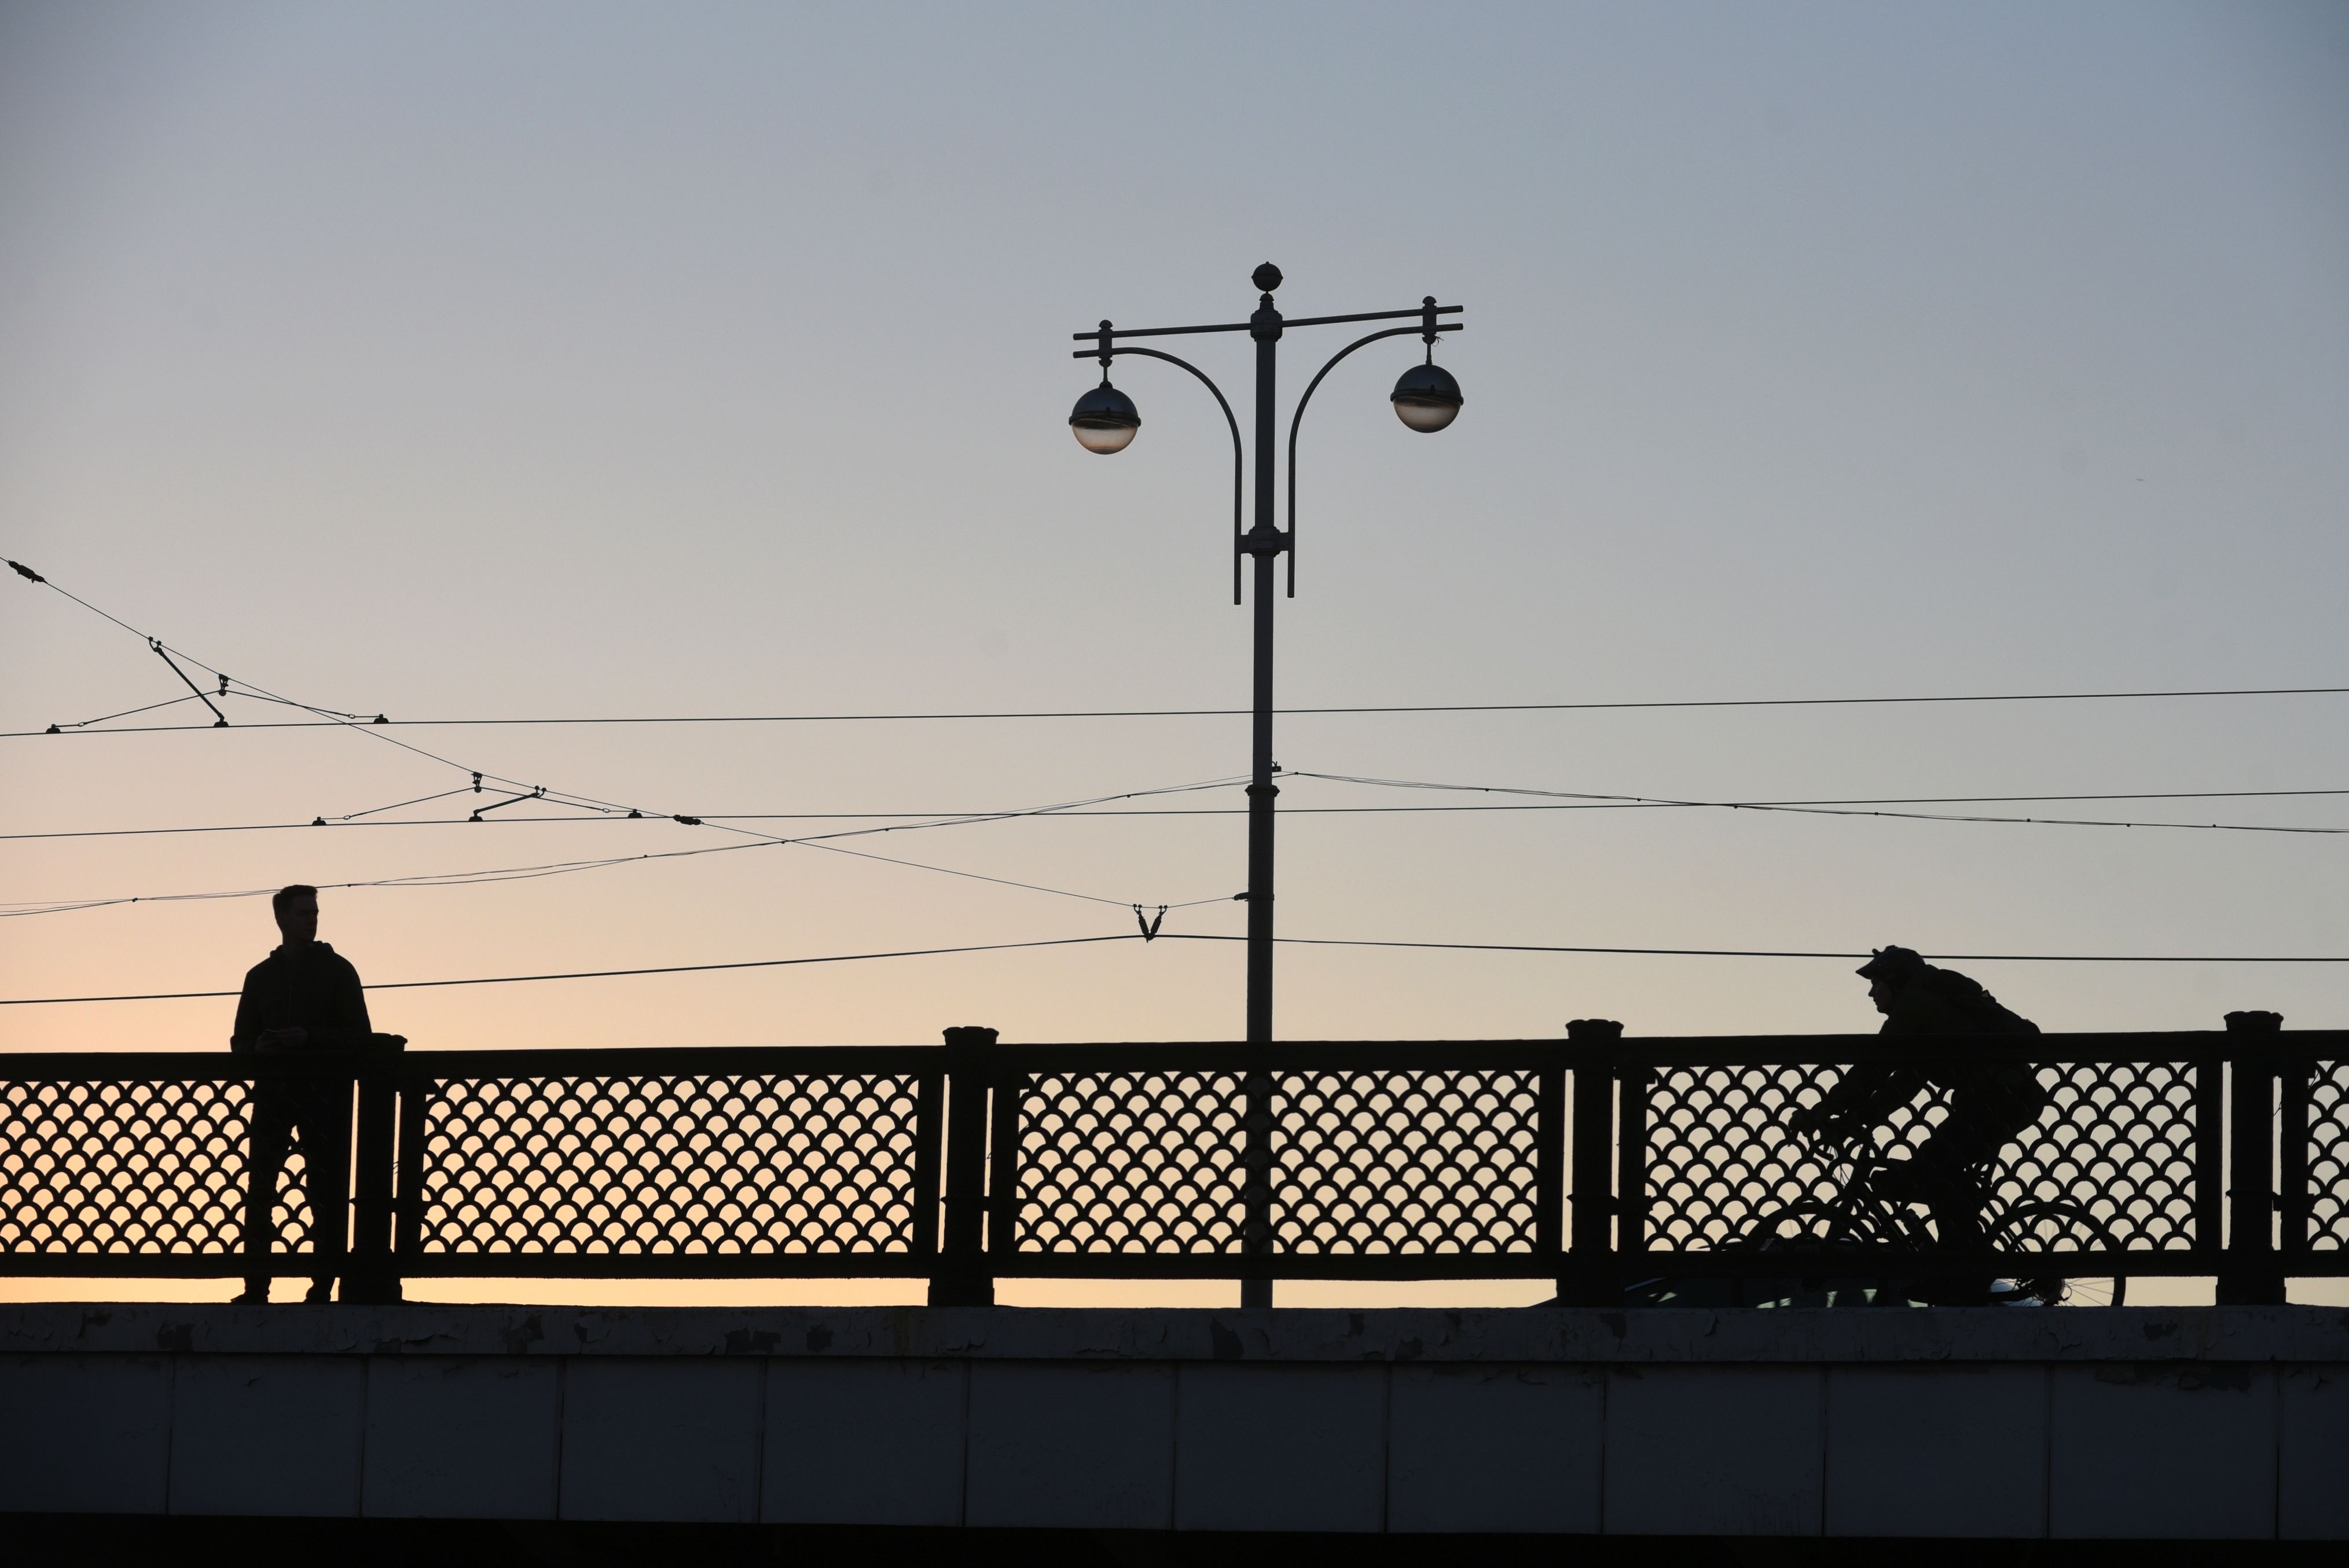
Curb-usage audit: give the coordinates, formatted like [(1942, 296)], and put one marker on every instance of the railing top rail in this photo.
[(2111, 1045), (1280, 1055), (1688, 1050), (564, 1061), (184, 1066), (586, 1061), (2118, 1045)]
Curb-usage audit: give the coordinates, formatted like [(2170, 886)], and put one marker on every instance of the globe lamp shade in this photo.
[(1105, 420), (1427, 399)]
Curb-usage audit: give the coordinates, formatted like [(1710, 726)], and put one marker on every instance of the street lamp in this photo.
[(1426, 397), (1104, 421)]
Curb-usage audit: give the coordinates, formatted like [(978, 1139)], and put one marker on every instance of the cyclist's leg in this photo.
[(1936, 1175)]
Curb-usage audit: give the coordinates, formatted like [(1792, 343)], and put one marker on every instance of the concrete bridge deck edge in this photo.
[(2149, 1423)]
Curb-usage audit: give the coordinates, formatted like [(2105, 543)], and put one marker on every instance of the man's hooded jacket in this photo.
[(308, 988)]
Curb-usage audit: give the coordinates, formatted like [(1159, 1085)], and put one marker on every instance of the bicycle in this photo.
[(1857, 1220)]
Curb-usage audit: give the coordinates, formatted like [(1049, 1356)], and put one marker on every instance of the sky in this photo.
[(594, 360)]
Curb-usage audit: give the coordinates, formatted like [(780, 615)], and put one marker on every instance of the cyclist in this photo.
[(1990, 1102)]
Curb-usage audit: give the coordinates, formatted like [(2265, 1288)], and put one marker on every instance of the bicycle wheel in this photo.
[(2041, 1227)]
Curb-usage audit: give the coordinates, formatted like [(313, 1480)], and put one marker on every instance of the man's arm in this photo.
[(1872, 1091), (351, 1027), (1850, 1099), (245, 1034)]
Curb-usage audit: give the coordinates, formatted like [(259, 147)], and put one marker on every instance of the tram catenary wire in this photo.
[(1585, 803), (1194, 936), (1043, 714)]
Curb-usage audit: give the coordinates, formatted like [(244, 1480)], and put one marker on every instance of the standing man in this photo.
[(304, 997)]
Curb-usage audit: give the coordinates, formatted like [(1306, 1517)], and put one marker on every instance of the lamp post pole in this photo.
[(1265, 542), (1105, 420)]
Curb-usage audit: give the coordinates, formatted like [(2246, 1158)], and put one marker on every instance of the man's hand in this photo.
[(1813, 1120), (286, 1039)]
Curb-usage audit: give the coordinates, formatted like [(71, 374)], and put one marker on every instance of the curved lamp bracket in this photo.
[(1298, 417), (1239, 461)]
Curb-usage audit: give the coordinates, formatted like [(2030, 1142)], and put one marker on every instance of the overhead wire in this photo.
[(558, 868), (1560, 800), (600, 974), (1193, 937), (424, 880), (535, 792), (1772, 953), (605, 810), (1844, 809), (395, 805), (329, 717), (1042, 714), (337, 718)]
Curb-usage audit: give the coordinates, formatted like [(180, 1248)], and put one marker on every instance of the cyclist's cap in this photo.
[(1889, 962)]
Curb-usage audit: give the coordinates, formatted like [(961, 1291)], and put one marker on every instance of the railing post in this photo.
[(1002, 1169), (1631, 1206), (1256, 1188), (930, 1163), (1590, 1278), (1553, 1137), (2210, 1145), (258, 1216), (2250, 1275), (416, 1094), (2295, 1199), (962, 1279), (369, 1276)]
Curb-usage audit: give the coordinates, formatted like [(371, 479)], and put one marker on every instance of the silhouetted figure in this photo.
[(1990, 1102), (304, 997)]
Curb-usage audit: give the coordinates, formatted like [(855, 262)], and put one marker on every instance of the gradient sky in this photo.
[(586, 359)]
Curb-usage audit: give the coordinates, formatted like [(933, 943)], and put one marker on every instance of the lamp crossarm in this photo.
[(1298, 417), (1240, 457), (1287, 324)]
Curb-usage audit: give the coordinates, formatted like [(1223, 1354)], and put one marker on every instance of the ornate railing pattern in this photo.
[(1129, 1162), (699, 1164), (2326, 1147), (1407, 1163), (137, 1161), (1595, 1160), (2117, 1140), (1362, 1163)]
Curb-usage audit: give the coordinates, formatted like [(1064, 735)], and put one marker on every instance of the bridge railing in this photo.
[(1595, 1160)]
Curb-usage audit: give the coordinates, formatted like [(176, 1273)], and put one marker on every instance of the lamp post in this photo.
[(1106, 421)]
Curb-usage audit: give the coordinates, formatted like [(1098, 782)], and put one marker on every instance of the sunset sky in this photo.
[(547, 360)]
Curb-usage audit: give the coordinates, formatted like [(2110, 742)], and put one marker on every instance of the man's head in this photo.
[(1888, 973), (297, 909)]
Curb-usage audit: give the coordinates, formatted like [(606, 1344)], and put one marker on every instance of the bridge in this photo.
[(1628, 1172)]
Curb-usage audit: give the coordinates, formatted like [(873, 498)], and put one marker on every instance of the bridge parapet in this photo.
[(1630, 1170), (2010, 1422)]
